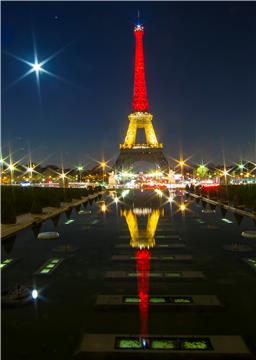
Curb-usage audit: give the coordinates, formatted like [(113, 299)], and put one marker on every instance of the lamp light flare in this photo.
[(171, 199), (103, 208), (11, 167), (34, 294), (30, 169), (182, 207)]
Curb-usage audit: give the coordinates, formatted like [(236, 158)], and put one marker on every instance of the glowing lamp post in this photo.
[(241, 168), (30, 170), (103, 165), (80, 169), (11, 167), (181, 163)]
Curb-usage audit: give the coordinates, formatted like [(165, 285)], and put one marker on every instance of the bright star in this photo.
[(36, 67)]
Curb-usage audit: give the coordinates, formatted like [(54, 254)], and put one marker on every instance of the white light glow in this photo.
[(37, 67), (103, 208), (11, 167), (34, 294)]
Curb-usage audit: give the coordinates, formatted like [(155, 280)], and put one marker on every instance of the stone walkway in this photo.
[(26, 220)]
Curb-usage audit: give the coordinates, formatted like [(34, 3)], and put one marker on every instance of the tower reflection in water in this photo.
[(142, 240)]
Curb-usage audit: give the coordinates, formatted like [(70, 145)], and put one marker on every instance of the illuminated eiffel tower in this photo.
[(152, 150)]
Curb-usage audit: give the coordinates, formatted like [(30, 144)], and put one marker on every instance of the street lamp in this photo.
[(103, 165), (30, 170), (181, 163), (80, 168), (11, 167)]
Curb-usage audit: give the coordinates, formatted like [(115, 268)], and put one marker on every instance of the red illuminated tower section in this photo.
[(140, 99)]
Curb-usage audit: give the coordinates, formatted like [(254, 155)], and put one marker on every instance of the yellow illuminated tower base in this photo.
[(151, 151), (140, 120)]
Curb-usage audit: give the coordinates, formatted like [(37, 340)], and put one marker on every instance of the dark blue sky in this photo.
[(200, 63)]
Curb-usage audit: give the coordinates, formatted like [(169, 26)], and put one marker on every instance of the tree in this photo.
[(202, 171)]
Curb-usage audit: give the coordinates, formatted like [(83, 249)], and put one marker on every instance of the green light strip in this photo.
[(251, 262), (5, 263), (227, 221), (69, 221), (49, 266), (165, 343), (200, 221)]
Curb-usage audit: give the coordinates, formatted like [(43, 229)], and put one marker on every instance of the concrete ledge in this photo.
[(170, 258), (26, 220), (219, 346), (158, 275), (169, 301), (225, 206)]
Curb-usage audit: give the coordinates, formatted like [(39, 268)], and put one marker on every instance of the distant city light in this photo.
[(11, 167), (171, 199), (103, 208), (202, 166), (182, 207), (124, 193), (159, 192)]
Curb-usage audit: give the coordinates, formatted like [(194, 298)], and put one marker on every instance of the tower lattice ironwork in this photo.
[(140, 117)]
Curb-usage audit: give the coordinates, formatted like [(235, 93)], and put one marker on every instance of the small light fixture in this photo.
[(34, 294)]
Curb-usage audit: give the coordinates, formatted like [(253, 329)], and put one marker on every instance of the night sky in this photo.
[(200, 61)]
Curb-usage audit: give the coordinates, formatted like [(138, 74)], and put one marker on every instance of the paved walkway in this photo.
[(26, 220)]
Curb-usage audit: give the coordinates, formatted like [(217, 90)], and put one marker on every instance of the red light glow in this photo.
[(140, 100), (143, 267)]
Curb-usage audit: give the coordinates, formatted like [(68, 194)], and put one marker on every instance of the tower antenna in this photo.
[(138, 17)]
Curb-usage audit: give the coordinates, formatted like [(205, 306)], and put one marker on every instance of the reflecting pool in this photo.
[(136, 262)]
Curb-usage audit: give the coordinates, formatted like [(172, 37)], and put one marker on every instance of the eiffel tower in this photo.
[(140, 118)]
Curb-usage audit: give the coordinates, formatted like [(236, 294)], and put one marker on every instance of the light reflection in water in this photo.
[(142, 240)]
